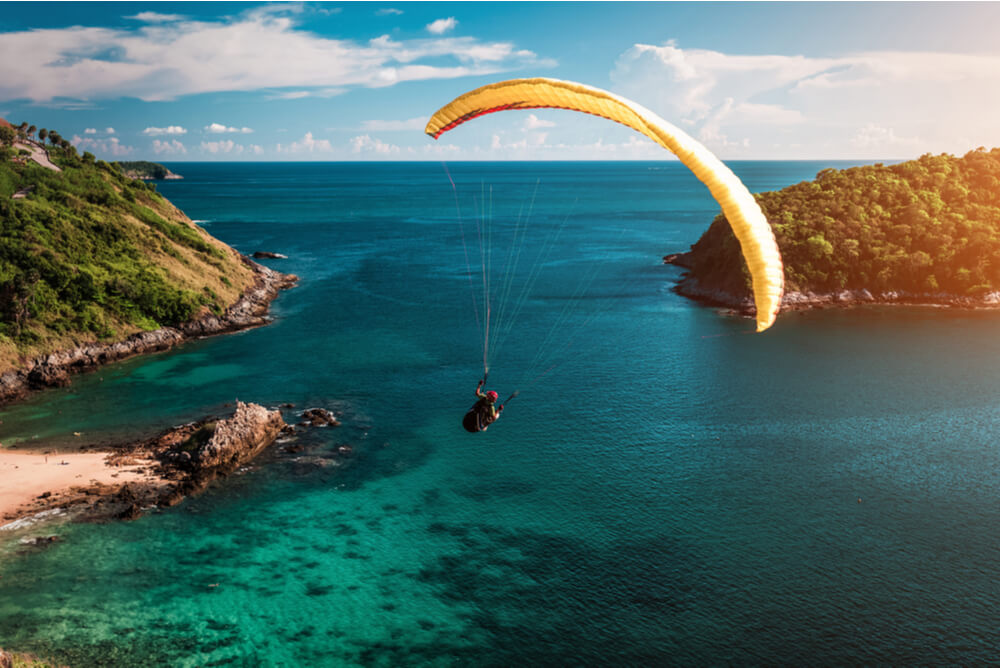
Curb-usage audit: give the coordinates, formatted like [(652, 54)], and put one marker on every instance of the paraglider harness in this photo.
[(483, 414)]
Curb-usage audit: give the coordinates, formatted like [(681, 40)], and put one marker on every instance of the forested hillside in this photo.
[(143, 169), (929, 226), (89, 254)]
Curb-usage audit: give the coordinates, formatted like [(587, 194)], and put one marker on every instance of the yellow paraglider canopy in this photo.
[(741, 210)]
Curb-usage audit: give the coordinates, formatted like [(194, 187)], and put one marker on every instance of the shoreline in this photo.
[(123, 481), (34, 483), (55, 369), (689, 287)]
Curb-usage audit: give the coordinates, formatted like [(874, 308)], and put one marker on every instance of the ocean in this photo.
[(667, 488)]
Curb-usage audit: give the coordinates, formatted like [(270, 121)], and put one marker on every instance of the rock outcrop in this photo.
[(240, 438), (54, 370)]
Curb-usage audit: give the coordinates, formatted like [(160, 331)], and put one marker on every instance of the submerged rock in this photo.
[(320, 417)]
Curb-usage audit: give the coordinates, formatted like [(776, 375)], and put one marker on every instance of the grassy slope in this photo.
[(927, 226), (91, 255)]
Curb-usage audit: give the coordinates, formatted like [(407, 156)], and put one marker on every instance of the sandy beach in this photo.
[(24, 477)]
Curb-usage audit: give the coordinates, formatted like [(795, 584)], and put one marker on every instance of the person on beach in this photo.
[(484, 412)]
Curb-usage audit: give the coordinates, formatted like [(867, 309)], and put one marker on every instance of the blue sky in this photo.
[(358, 81)]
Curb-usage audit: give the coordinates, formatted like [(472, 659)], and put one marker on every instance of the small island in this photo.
[(919, 232), (147, 171)]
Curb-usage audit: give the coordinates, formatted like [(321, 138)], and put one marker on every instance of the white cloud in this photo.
[(225, 146), (291, 95), (308, 144), (170, 147), (169, 130), (155, 17), (109, 131), (441, 26), (365, 144), (264, 49), (534, 122), (537, 146), (102, 147), (90, 131), (871, 105), (299, 94), (878, 137), (441, 150), (219, 128), (389, 11), (417, 123)]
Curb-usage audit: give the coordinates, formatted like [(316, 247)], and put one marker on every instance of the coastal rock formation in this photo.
[(266, 255), (240, 438), (54, 370), (211, 447)]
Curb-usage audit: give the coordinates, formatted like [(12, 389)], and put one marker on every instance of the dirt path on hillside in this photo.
[(38, 154)]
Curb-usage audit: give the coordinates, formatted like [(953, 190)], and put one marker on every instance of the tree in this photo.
[(16, 297), (42, 134), (7, 136)]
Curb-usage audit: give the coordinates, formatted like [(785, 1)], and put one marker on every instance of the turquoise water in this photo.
[(667, 489)]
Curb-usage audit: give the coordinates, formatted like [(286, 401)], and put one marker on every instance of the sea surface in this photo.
[(667, 488)]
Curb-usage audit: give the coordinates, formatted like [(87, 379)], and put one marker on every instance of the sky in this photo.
[(190, 81)]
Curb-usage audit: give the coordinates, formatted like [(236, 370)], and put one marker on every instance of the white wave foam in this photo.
[(26, 522)]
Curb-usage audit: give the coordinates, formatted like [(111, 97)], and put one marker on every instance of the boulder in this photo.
[(45, 375)]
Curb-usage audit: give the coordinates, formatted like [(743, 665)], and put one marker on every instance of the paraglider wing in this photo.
[(741, 210)]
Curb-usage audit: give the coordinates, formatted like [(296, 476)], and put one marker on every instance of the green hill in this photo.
[(927, 229), (88, 254)]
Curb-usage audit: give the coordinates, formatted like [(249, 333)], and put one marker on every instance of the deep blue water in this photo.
[(668, 488)]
